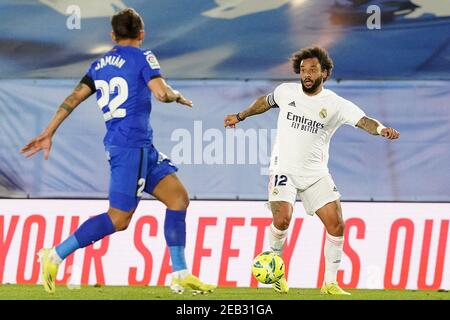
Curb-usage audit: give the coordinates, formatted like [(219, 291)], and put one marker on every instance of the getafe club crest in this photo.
[(323, 113)]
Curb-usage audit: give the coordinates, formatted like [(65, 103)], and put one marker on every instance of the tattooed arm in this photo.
[(374, 127), (78, 95), (44, 140), (260, 105)]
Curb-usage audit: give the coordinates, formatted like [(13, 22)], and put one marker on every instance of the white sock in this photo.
[(180, 274), (333, 254), (277, 239), (53, 255)]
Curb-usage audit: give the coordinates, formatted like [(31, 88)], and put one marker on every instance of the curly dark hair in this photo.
[(313, 52), (127, 24)]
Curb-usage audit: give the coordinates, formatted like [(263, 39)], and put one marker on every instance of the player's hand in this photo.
[(41, 142), (230, 121), (390, 133), (184, 101)]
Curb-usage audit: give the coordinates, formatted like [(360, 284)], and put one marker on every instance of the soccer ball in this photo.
[(268, 267)]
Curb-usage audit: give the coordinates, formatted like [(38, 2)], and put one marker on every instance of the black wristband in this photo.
[(239, 118)]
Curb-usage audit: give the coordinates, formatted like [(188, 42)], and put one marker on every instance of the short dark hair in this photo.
[(313, 52), (127, 24)]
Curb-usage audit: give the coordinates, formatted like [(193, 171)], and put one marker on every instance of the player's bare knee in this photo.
[(282, 223), (120, 219), (336, 229), (119, 224), (282, 213), (122, 226), (281, 220), (179, 203)]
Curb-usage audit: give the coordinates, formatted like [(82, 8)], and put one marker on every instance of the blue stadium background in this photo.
[(222, 55)]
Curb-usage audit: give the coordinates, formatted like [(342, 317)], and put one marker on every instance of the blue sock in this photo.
[(175, 234), (178, 259), (66, 247), (90, 231)]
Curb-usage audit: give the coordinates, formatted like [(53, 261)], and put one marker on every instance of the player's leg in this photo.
[(282, 196), (92, 230), (165, 186), (123, 198), (173, 194), (322, 198), (282, 214), (331, 216)]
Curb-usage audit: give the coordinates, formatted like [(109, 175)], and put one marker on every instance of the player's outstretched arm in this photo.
[(374, 127), (260, 105), (44, 140), (164, 93)]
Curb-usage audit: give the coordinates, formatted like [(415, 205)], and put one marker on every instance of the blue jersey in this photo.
[(121, 78)]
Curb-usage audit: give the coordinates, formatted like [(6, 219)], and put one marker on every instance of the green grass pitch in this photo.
[(34, 292)]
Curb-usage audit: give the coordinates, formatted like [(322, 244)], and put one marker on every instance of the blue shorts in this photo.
[(134, 170)]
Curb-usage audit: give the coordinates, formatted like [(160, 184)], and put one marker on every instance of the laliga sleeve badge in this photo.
[(151, 60)]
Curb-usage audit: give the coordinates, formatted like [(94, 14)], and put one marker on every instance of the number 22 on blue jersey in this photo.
[(111, 107)]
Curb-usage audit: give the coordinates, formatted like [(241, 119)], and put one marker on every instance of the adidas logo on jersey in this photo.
[(292, 104)]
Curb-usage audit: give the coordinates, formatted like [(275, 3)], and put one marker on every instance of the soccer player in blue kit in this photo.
[(124, 79)]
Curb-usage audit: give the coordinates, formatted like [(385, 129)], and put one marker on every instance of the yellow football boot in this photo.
[(190, 282), (281, 286), (49, 269), (333, 289)]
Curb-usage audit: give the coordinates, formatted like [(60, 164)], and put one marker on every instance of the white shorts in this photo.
[(313, 192)]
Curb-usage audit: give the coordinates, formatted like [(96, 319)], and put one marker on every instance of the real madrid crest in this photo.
[(323, 113)]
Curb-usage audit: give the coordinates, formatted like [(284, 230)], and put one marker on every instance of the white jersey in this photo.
[(305, 127)]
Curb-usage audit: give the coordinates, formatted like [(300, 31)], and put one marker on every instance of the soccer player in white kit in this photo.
[(309, 115)]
